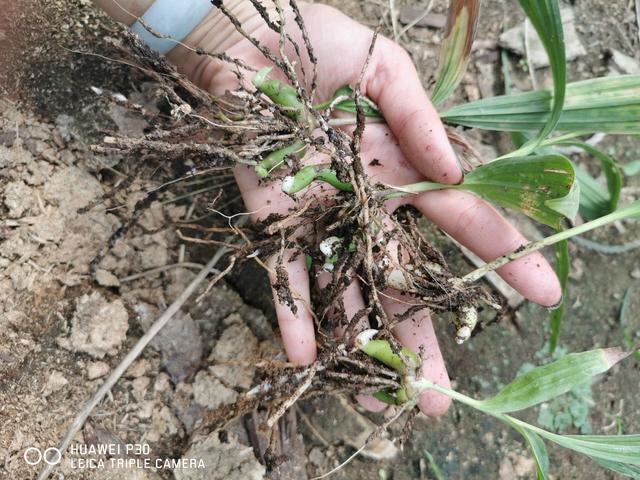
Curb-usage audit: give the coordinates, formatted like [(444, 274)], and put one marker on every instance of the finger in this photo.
[(297, 329), (393, 83), (261, 199), (354, 303), (417, 334), (478, 226)]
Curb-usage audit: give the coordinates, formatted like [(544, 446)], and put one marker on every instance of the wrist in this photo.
[(124, 11), (215, 34)]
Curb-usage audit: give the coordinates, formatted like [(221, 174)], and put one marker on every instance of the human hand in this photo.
[(410, 147)]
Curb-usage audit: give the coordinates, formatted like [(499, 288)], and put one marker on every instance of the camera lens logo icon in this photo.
[(33, 456)]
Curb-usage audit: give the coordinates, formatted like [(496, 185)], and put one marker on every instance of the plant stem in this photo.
[(341, 122), (413, 188), (423, 384), (628, 211)]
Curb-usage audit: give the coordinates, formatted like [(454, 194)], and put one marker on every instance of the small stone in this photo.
[(317, 457), (139, 368), (236, 344), (18, 198), (153, 256), (513, 39), (106, 279), (97, 370), (209, 392), (49, 227), (72, 188), (55, 382), (98, 326), (635, 274), (181, 347), (625, 63), (139, 386), (8, 138), (146, 409), (162, 383), (409, 14)]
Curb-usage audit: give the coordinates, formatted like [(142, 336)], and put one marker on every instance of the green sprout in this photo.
[(620, 453), (277, 158)]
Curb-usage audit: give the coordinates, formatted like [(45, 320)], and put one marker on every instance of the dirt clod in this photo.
[(98, 327)]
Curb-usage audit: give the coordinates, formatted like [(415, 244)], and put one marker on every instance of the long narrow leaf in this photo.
[(548, 381), (545, 18), (594, 198), (539, 451), (623, 449), (607, 104), (455, 50), (562, 268), (632, 471), (612, 173)]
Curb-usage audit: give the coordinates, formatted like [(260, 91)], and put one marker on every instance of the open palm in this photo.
[(410, 147)]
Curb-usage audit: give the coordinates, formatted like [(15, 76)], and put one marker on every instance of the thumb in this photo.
[(392, 82)]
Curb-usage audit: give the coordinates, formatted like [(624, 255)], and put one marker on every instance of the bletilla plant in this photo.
[(533, 179)]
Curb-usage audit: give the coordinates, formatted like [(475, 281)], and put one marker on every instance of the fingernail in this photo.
[(557, 305)]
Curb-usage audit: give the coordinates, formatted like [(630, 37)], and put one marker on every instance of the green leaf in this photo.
[(622, 449), (607, 202), (541, 187), (632, 168), (433, 466), (562, 268), (539, 451), (594, 198), (632, 471), (545, 18), (459, 34), (548, 381), (607, 104)]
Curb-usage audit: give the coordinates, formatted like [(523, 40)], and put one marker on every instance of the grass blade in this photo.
[(562, 268), (548, 381), (612, 173), (455, 50), (545, 18), (538, 449), (607, 104), (433, 466), (594, 198), (622, 449), (632, 471)]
